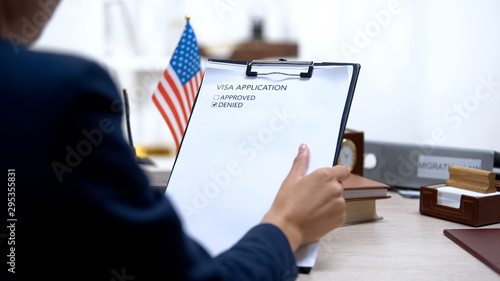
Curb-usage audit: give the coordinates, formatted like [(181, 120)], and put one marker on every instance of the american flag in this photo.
[(176, 91)]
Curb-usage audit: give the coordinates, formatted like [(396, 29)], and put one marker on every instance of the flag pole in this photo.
[(187, 17)]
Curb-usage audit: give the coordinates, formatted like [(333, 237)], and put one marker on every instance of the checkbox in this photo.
[(214, 104), (216, 97)]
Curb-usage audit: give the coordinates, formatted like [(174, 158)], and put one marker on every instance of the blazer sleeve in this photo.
[(139, 231)]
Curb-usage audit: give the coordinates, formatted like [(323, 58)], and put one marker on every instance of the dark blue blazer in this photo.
[(83, 208)]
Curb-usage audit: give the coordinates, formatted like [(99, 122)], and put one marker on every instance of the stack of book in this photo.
[(361, 195)]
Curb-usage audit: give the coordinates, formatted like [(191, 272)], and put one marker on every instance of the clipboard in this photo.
[(248, 120)]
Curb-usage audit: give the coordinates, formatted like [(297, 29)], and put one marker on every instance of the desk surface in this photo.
[(404, 245)]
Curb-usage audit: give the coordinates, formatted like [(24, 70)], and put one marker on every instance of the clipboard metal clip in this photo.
[(281, 62)]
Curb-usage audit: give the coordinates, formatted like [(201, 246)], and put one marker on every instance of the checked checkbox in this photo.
[(214, 104)]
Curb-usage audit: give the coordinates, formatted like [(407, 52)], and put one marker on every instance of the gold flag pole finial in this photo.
[(187, 18)]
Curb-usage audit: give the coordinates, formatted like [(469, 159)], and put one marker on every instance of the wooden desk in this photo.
[(404, 245)]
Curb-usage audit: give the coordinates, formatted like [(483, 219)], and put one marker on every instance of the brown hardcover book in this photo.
[(361, 194), (360, 188), (484, 244), (475, 211)]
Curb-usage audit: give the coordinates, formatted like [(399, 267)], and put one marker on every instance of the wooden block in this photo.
[(471, 179)]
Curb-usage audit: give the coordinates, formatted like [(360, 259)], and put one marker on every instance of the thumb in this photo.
[(300, 164)]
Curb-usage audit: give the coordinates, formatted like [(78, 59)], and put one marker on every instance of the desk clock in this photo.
[(351, 151)]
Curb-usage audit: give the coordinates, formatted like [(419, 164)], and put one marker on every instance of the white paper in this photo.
[(450, 196), (233, 160)]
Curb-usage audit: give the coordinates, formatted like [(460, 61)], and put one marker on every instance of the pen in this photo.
[(127, 119)]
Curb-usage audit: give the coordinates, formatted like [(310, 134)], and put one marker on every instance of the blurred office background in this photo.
[(430, 71)]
